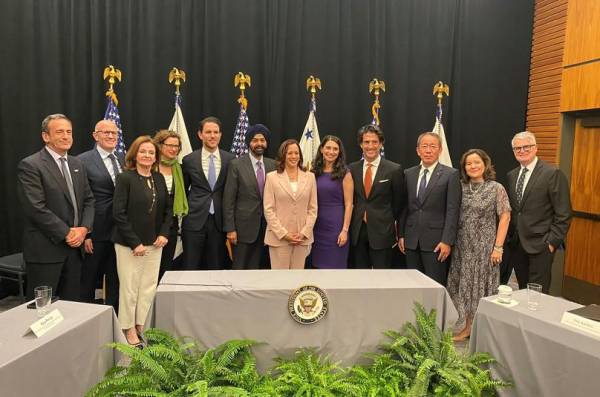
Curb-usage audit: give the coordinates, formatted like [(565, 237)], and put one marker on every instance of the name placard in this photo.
[(581, 323), (46, 323)]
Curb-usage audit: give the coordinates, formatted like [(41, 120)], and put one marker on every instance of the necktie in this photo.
[(520, 184), (65, 171), (260, 177), (212, 179), (368, 185), (115, 167), (422, 186)]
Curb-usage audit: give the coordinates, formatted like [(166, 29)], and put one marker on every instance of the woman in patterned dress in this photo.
[(482, 227)]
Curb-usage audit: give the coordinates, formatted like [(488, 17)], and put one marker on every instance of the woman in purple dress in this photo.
[(334, 195)]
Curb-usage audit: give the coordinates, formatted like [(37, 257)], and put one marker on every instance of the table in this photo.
[(542, 356), (66, 361), (216, 306)]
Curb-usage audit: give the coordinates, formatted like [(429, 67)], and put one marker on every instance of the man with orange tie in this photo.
[(378, 202)]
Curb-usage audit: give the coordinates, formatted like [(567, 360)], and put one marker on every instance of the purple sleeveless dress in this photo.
[(325, 252)]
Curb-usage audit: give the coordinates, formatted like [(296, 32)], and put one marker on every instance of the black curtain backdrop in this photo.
[(53, 54)]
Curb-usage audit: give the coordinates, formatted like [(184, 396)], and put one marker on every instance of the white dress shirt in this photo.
[(206, 160), (430, 170), (57, 158), (374, 166), (530, 169), (107, 163)]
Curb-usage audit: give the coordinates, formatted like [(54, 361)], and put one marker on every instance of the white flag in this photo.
[(310, 141), (178, 125), (438, 128)]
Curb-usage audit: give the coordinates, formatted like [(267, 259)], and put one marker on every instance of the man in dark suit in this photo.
[(541, 213), (429, 223), (102, 165), (378, 202), (59, 211), (204, 172), (243, 218)]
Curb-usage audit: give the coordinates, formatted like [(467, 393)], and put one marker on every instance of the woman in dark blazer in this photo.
[(169, 145), (142, 212)]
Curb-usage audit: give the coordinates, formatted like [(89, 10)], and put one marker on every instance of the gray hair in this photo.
[(51, 117), (524, 135), (431, 134)]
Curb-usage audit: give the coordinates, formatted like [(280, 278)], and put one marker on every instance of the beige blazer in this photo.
[(287, 212)]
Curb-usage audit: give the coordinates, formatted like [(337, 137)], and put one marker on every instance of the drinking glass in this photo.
[(534, 292), (43, 297)]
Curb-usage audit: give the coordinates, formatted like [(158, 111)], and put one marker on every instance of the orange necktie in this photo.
[(368, 184)]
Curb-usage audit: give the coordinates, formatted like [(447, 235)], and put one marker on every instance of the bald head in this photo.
[(106, 134)]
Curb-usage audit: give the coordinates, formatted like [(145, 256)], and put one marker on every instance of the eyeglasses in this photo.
[(425, 147), (108, 133), (525, 148), (170, 146)]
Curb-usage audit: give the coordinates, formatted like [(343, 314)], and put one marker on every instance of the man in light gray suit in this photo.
[(243, 218), (428, 225)]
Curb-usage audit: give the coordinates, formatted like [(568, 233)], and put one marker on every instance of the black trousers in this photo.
[(167, 263), (102, 262), (427, 263), (531, 268), (64, 277), (252, 255), (204, 249), (365, 257)]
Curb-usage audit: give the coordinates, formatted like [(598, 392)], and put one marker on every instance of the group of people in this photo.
[(105, 214)]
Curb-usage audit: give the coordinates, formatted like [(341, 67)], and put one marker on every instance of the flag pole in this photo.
[(175, 77), (375, 88), (310, 141), (241, 80), (439, 89), (112, 75)]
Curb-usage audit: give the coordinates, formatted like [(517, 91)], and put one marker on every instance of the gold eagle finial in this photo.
[(312, 84), (241, 79), (176, 75), (439, 89), (112, 75), (375, 86)]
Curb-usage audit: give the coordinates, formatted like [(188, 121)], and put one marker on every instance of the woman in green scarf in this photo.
[(169, 145)]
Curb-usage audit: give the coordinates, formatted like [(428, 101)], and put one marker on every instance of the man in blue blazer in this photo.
[(102, 165), (59, 211), (429, 222), (204, 173)]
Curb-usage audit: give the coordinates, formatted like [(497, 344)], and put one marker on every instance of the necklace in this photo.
[(477, 189), (150, 185)]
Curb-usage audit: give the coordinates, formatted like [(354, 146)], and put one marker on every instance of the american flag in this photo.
[(238, 146), (438, 128), (112, 113)]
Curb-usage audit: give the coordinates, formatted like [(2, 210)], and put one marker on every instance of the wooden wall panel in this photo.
[(581, 260), (581, 87), (582, 42), (585, 174), (543, 105)]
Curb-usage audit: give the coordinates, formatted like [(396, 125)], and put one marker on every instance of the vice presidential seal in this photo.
[(308, 304)]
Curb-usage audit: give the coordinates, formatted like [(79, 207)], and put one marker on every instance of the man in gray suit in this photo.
[(59, 211), (428, 225), (539, 198), (243, 218)]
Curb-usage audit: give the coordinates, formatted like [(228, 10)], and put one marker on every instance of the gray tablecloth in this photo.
[(542, 356), (66, 361), (215, 306)]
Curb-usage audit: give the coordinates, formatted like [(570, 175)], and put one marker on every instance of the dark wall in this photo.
[(53, 54)]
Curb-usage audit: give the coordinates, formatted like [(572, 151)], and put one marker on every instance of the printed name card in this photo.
[(46, 323)]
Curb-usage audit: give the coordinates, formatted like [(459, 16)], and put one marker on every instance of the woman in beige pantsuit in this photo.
[(142, 212), (290, 202)]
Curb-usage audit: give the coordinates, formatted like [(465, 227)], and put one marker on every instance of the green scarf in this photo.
[(180, 204)]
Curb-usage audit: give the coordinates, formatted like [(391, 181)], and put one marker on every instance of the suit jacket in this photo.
[(199, 192), (383, 206), (435, 220), (544, 214), (242, 201), (288, 213), (48, 208), (133, 222), (103, 189)]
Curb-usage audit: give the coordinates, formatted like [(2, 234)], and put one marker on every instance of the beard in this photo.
[(258, 150)]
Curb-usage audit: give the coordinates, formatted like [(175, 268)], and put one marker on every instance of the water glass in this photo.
[(43, 297), (534, 291)]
